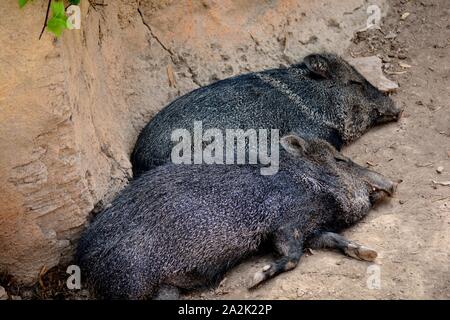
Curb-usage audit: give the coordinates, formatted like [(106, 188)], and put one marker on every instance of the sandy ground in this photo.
[(412, 231)]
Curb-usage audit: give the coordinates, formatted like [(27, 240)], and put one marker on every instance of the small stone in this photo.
[(333, 23), (390, 35), (3, 294), (370, 68), (439, 169), (404, 65), (300, 292), (401, 201), (405, 15), (16, 298), (309, 40)]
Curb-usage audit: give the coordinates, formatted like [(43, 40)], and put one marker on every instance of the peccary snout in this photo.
[(381, 186), (387, 113), (377, 186), (360, 101)]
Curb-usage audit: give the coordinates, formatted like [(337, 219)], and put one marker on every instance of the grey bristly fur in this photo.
[(322, 97), (185, 225)]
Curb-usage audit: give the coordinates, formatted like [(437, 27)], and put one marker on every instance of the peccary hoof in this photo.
[(259, 277), (361, 252)]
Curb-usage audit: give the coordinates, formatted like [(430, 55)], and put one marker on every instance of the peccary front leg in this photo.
[(289, 245), (330, 240)]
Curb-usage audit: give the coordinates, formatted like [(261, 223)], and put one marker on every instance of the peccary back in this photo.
[(322, 97), (185, 225)]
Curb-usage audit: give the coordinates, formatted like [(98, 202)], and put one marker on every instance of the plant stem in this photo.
[(46, 19)]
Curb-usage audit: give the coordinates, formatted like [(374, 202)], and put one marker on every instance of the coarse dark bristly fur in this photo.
[(322, 97), (183, 226)]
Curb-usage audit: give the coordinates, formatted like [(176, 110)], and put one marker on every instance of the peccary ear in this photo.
[(318, 64), (293, 144)]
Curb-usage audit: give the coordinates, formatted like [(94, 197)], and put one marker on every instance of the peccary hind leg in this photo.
[(289, 245), (330, 240)]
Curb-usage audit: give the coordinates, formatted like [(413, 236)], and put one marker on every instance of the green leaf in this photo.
[(58, 10), (75, 2), (22, 3), (59, 20), (56, 25)]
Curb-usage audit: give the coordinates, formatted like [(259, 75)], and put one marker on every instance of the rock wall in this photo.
[(71, 109)]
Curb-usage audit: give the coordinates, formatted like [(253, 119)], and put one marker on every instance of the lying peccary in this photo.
[(183, 226), (323, 97)]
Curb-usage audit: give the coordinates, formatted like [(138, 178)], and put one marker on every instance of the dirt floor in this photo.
[(412, 231)]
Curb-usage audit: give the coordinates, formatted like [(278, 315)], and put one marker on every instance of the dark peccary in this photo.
[(183, 226), (322, 97)]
